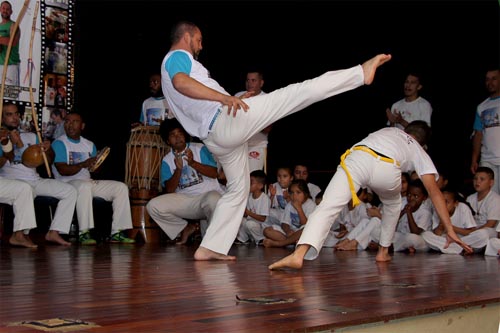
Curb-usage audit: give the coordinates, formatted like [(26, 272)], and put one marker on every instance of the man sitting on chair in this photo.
[(74, 155), (189, 176)]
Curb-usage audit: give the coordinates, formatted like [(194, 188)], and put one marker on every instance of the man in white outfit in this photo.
[(18, 194), (257, 144), (207, 111), (375, 162), (74, 155), (486, 137), (154, 108), (412, 106), (15, 169)]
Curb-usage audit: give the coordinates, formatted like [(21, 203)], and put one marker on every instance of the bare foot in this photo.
[(206, 254), (383, 254), (411, 249), (18, 238), (370, 66), (293, 261), (267, 242), (340, 244), (188, 231), (350, 245), (53, 236), (372, 246)]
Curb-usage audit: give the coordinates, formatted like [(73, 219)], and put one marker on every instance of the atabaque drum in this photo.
[(145, 151)]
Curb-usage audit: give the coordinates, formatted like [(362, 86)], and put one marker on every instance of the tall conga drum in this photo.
[(145, 151)]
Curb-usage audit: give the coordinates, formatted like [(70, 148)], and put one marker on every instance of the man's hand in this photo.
[(234, 104), (15, 137)]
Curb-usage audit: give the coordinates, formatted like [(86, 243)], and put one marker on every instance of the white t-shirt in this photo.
[(486, 209), (351, 218), (291, 217), (72, 152), (419, 109), (16, 169), (191, 182), (195, 115), (397, 144), (155, 108), (422, 217), (488, 121), (259, 206)]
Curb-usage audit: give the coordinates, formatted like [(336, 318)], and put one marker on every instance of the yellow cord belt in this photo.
[(355, 199)]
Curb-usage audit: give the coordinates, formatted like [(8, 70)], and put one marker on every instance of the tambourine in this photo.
[(101, 156)]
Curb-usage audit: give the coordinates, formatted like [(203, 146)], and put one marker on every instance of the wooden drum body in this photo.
[(145, 151)]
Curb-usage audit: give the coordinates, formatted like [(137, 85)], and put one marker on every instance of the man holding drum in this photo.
[(75, 156)]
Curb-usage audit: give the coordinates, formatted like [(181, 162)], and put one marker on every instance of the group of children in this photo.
[(276, 218)]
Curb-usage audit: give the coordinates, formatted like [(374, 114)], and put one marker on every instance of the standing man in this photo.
[(74, 155), (206, 110), (189, 177), (486, 136), (257, 144), (6, 33), (412, 106), (15, 169), (154, 108)]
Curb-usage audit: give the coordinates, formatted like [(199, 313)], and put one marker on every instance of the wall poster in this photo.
[(44, 59)]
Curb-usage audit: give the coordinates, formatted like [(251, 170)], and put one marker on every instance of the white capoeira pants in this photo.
[(366, 171), (171, 210), (109, 190), (403, 241), (65, 193), (228, 143), (493, 247), (251, 230), (20, 195), (362, 233), (477, 240)]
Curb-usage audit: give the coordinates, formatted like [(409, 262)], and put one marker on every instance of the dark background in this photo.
[(118, 44)]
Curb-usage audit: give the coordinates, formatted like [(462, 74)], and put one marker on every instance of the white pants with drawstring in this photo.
[(228, 143)]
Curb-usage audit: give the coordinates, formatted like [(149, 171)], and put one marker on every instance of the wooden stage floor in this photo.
[(160, 288)]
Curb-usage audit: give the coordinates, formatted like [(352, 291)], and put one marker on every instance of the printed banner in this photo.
[(44, 60)]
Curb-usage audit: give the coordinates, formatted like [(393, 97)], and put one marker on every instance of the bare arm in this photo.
[(463, 231), (15, 41), (71, 169), (172, 183), (476, 150), (488, 224), (437, 199), (414, 228), (255, 216), (188, 86)]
